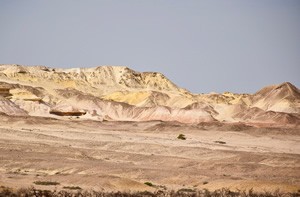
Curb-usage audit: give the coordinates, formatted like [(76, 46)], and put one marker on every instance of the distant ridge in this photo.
[(118, 93)]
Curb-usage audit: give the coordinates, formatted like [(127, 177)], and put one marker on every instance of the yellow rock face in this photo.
[(132, 98), (21, 94)]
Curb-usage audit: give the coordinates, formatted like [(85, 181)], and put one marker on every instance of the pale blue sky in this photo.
[(204, 46)]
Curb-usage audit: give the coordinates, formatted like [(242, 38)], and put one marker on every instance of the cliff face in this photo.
[(119, 93)]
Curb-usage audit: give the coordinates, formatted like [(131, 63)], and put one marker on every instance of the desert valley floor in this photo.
[(114, 155)]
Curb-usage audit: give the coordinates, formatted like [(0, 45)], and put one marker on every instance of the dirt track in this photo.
[(124, 155)]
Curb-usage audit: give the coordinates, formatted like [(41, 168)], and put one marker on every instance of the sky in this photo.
[(203, 46)]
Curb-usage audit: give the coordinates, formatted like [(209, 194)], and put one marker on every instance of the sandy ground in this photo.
[(123, 155)]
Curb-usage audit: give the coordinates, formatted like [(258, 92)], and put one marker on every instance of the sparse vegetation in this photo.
[(185, 192), (46, 183), (181, 137), (72, 187), (18, 172), (219, 142), (149, 184)]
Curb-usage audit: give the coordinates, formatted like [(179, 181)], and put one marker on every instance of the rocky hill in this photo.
[(121, 94)]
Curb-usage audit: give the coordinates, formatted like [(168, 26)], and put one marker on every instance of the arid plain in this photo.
[(114, 129)]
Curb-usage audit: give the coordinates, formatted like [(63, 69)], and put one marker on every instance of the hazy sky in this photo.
[(204, 46)]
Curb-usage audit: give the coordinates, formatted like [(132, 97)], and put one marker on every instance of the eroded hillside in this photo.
[(119, 93)]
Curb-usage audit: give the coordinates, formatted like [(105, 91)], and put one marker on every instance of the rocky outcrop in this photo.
[(67, 113), (10, 108), (66, 110), (4, 91)]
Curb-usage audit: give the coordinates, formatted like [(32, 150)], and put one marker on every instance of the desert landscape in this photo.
[(110, 128)]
